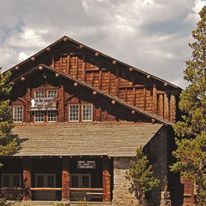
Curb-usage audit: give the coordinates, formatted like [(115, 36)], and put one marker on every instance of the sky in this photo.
[(152, 35)]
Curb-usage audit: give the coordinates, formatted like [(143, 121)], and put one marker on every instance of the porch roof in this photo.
[(82, 139)]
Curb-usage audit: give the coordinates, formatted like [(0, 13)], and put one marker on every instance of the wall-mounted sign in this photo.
[(43, 103), (86, 164)]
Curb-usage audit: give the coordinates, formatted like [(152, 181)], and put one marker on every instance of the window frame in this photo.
[(80, 179), (35, 112), (45, 179), (11, 180), (69, 106), (82, 112), (13, 108), (51, 90), (39, 90), (55, 111)]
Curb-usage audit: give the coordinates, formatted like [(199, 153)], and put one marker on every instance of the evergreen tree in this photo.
[(7, 141), (191, 146), (141, 176)]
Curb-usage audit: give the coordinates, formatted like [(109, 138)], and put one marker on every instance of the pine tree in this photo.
[(191, 144), (7, 140), (141, 176)]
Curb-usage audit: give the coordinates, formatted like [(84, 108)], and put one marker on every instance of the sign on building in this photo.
[(86, 164), (43, 103)]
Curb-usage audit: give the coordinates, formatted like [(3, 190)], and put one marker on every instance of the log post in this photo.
[(154, 94), (161, 105), (65, 179), (166, 107), (106, 180), (27, 183)]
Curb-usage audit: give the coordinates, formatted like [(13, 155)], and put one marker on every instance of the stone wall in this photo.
[(157, 153), (121, 193)]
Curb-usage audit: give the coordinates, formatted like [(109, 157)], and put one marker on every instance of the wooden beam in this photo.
[(92, 79), (100, 79), (68, 64), (154, 96), (27, 181), (53, 63), (144, 97), (23, 78), (106, 180), (84, 68), (161, 105), (65, 179), (117, 82), (131, 87), (134, 96), (166, 107), (77, 69), (109, 82)]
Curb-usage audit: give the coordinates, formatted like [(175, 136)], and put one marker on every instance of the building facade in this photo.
[(79, 116)]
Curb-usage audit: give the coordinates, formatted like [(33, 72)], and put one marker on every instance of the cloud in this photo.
[(150, 34)]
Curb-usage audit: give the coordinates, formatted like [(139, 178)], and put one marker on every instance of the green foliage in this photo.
[(141, 176), (7, 141), (191, 146)]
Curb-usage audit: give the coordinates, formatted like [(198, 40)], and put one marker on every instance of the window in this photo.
[(51, 116), (39, 94), (52, 93), (87, 112), (18, 113), (74, 113), (39, 180), (50, 181), (10, 180), (81, 180), (45, 180), (39, 116)]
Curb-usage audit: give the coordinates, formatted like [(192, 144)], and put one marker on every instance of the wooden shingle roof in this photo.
[(83, 139)]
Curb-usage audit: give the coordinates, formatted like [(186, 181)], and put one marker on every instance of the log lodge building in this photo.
[(79, 117)]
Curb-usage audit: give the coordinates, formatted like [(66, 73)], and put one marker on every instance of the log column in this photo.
[(161, 105), (106, 180), (65, 179), (27, 179)]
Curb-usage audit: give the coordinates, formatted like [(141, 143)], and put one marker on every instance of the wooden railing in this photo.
[(46, 188), (89, 194)]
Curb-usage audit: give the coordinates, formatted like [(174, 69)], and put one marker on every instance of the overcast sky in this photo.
[(152, 35)]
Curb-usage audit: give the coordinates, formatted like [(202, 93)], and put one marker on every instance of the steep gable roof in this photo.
[(62, 41), (97, 92)]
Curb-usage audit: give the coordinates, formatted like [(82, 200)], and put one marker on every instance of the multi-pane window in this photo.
[(39, 180), (10, 180), (39, 116), (87, 112), (45, 180), (74, 113), (18, 113), (51, 116), (50, 181), (39, 93), (52, 93), (81, 180)]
